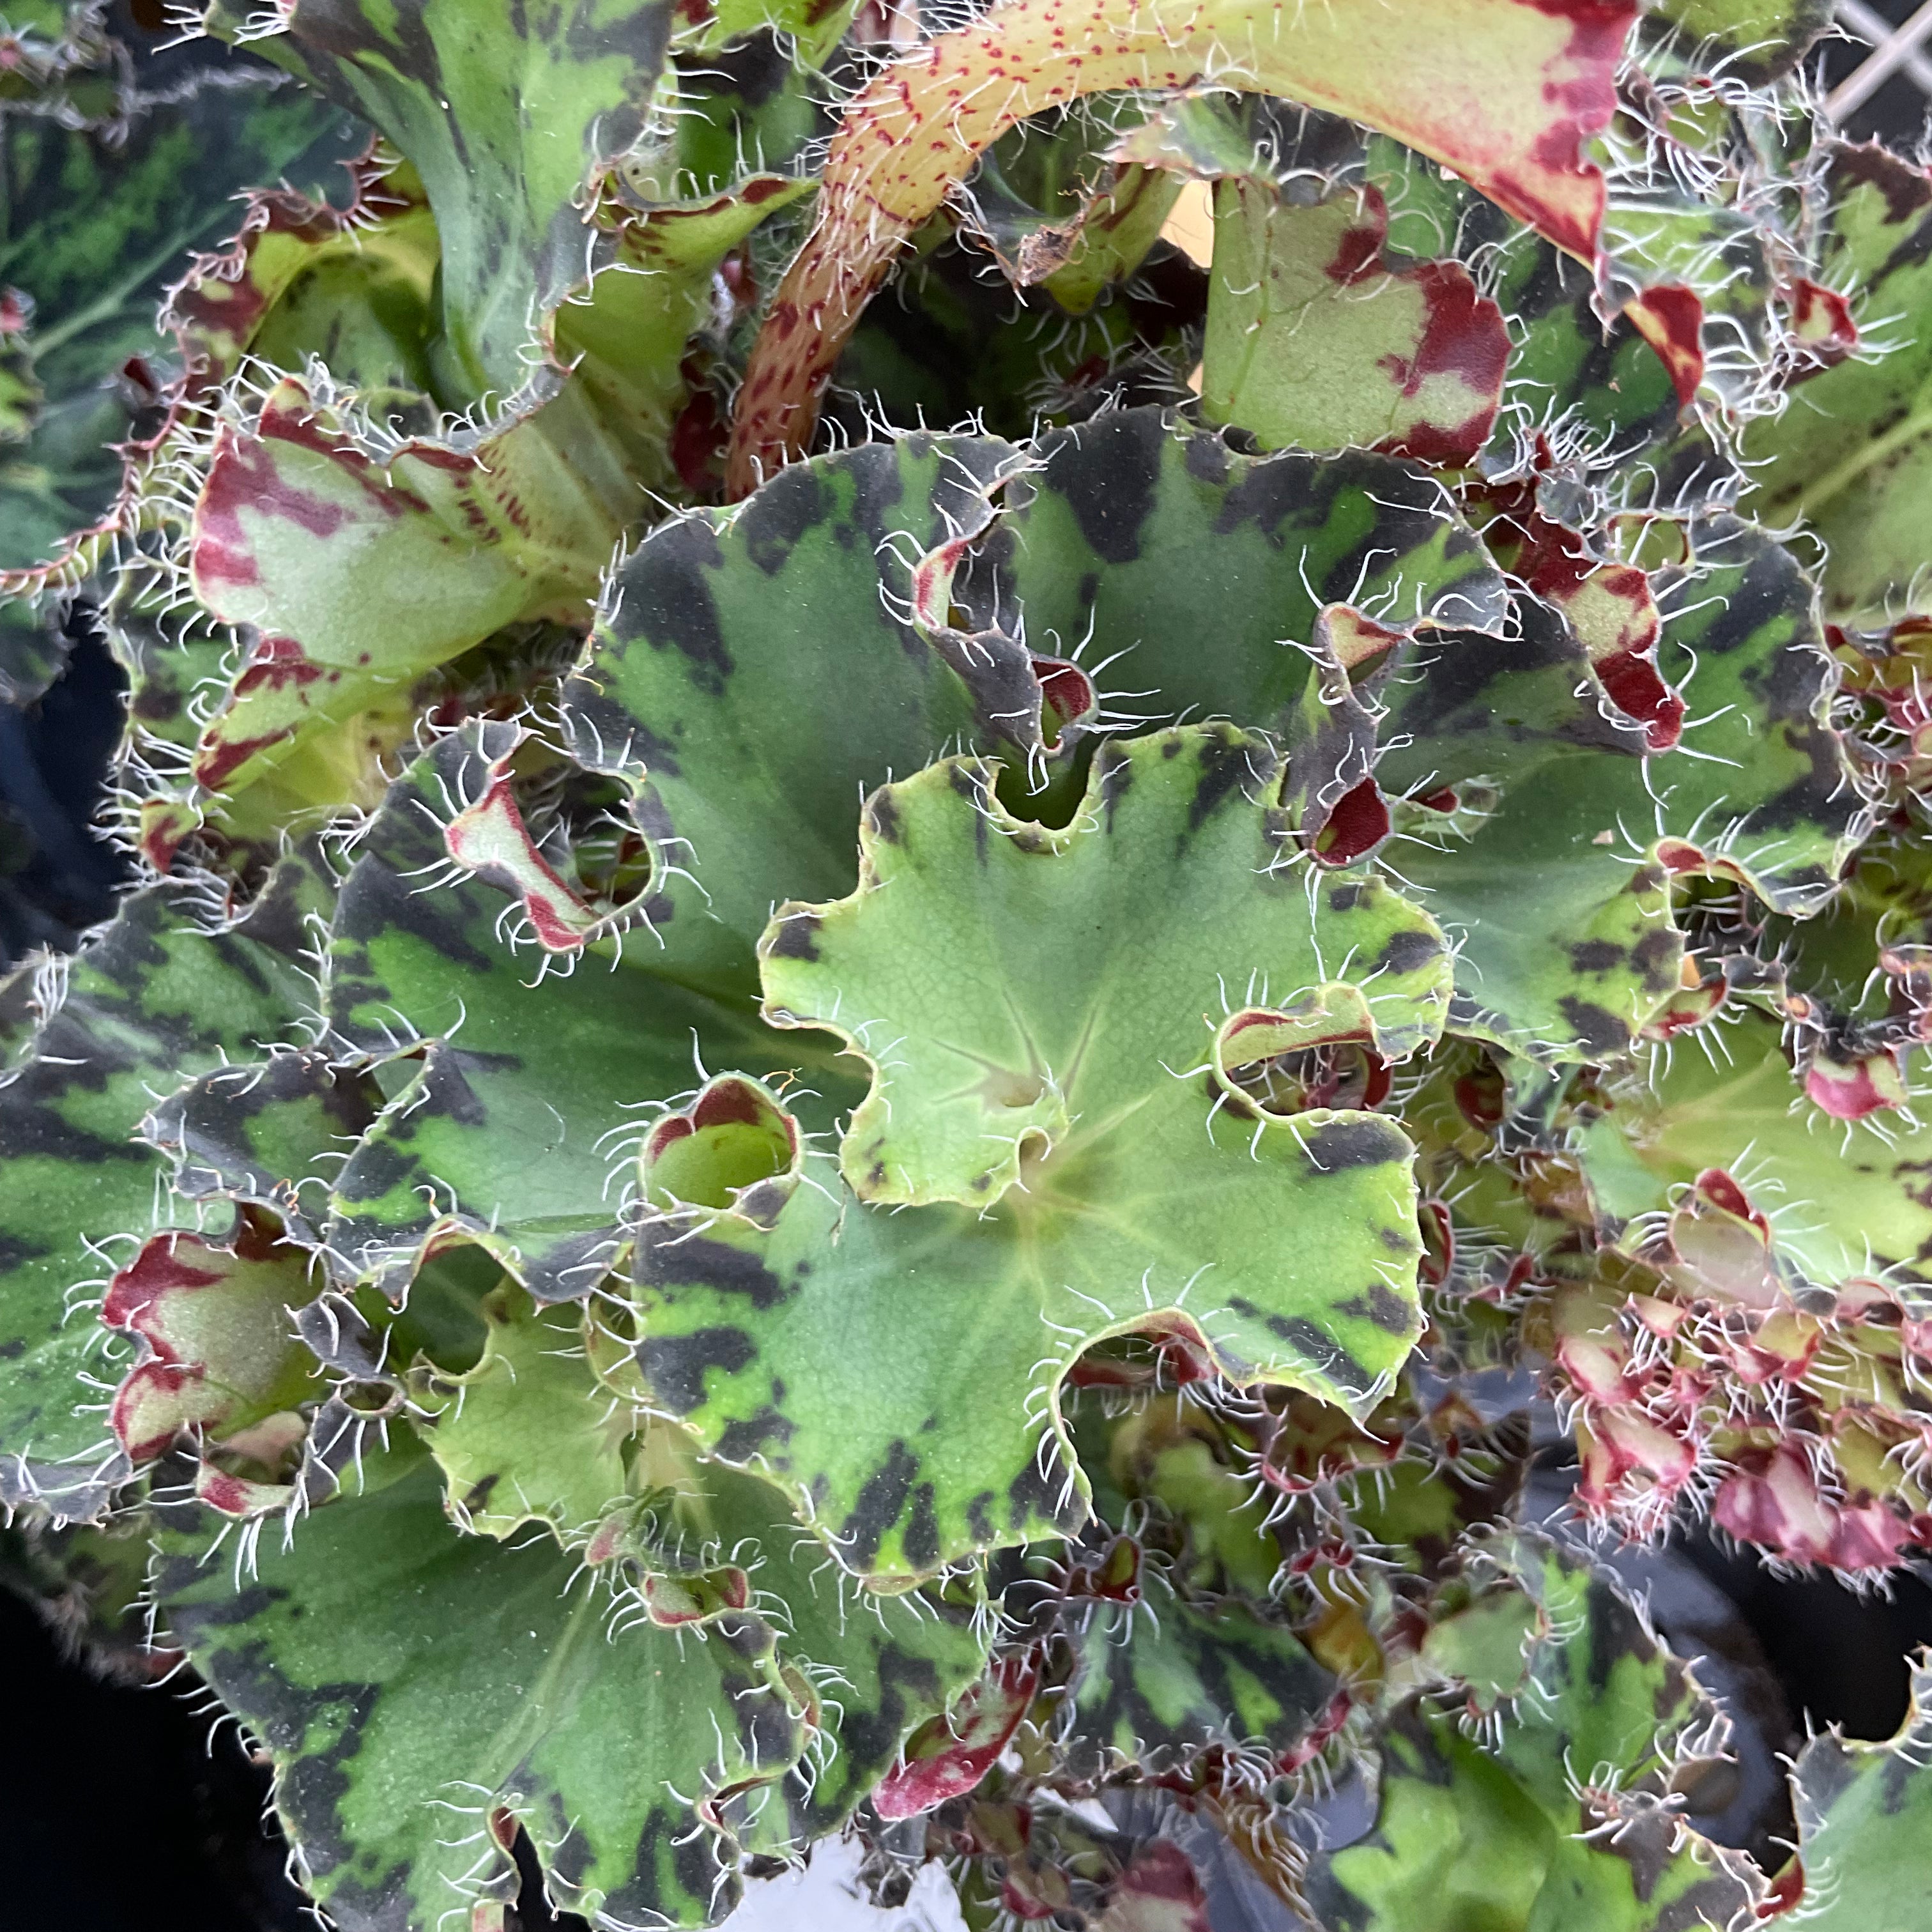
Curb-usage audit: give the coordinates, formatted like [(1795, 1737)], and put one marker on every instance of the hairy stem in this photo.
[(1501, 91)]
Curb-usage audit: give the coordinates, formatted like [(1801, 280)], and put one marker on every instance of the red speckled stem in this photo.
[(1501, 91)]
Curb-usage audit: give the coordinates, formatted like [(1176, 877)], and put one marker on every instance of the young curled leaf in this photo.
[(948, 1755), (220, 1350)]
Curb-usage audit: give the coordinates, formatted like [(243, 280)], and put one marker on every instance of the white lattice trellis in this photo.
[(1891, 48)]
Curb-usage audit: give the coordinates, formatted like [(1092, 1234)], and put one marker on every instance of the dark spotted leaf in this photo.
[(1086, 1103), (706, 682), (260, 1131), (422, 1692), (1130, 526), (90, 1584), (1519, 770), (161, 996), (1159, 1679), (1603, 382), (518, 1125)]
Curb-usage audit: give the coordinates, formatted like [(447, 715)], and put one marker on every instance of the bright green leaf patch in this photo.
[(1037, 1001), (1122, 1195)]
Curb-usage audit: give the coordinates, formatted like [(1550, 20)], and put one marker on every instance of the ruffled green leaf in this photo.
[(1129, 530), (422, 1693), (525, 1436), (1521, 771), (516, 1126), (1081, 968), (1119, 1188), (707, 683)]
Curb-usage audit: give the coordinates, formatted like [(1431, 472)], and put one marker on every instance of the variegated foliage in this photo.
[(900, 1138)]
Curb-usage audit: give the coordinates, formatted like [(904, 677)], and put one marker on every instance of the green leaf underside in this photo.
[(846, 1349), (488, 1680), (1315, 342)]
